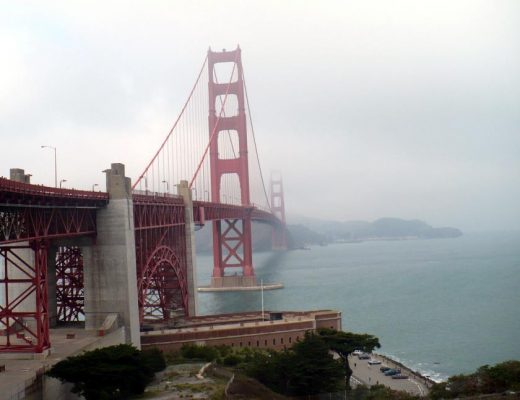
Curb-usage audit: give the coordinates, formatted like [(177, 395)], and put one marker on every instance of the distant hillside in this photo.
[(300, 236), (318, 232), (383, 228)]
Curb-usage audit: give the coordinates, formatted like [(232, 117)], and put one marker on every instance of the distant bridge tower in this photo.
[(278, 209), (232, 245)]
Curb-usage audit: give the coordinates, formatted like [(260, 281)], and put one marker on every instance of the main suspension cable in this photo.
[(254, 141), (173, 127)]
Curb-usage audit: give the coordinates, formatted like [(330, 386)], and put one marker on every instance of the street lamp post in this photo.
[(94, 185), (62, 181), (167, 186), (55, 164)]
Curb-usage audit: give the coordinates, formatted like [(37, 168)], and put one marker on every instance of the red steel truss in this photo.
[(232, 245), (32, 216), (70, 294), (160, 238), (24, 321), (31, 212), (18, 224)]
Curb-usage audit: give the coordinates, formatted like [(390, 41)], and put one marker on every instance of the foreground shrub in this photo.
[(154, 359), (115, 372)]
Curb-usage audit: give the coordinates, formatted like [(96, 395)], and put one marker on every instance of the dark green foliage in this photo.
[(231, 360), (344, 343), (380, 392), (154, 359), (486, 380), (305, 369), (501, 377), (225, 355), (195, 352), (115, 372)]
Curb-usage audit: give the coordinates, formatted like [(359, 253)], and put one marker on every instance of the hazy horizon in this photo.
[(370, 109)]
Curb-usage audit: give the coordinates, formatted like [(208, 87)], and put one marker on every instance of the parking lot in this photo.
[(371, 375)]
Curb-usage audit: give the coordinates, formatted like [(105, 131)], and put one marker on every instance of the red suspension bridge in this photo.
[(70, 255)]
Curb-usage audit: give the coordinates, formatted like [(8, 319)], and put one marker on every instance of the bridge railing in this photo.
[(7, 185), (146, 196)]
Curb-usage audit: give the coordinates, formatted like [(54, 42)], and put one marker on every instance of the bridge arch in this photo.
[(162, 286)]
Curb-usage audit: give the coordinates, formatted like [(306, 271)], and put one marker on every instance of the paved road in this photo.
[(371, 375)]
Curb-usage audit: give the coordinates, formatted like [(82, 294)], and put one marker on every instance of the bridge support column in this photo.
[(110, 277), (191, 263)]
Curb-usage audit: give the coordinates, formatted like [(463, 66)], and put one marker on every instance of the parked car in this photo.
[(357, 352), (374, 362), (364, 356), (384, 369), (392, 371), (399, 376)]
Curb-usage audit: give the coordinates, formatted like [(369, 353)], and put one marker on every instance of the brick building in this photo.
[(273, 330)]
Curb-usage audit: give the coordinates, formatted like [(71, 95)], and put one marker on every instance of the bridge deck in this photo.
[(24, 194)]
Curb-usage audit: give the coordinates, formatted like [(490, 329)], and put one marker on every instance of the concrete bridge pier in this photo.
[(191, 258), (110, 277)]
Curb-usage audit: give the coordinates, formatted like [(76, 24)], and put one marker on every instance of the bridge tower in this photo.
[(278, 209), (232, 245)]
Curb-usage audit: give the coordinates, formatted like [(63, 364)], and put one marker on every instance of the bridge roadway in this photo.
[(37, 212)]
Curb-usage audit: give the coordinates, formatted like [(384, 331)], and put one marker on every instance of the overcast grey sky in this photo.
[(369, 108)]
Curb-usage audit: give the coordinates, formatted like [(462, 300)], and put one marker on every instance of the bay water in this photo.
[(440, 306)]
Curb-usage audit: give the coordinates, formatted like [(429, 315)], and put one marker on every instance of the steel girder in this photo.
[(209, 211), (20, 224)]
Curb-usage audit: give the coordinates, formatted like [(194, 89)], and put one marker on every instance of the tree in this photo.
[(344, 343), (486, 380), (305, 369), (314, 370), (114, 372)]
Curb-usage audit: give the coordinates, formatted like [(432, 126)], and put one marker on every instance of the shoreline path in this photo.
[(370, 375)]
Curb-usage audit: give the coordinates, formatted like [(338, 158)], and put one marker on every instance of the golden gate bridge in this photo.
[(71, 255)]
